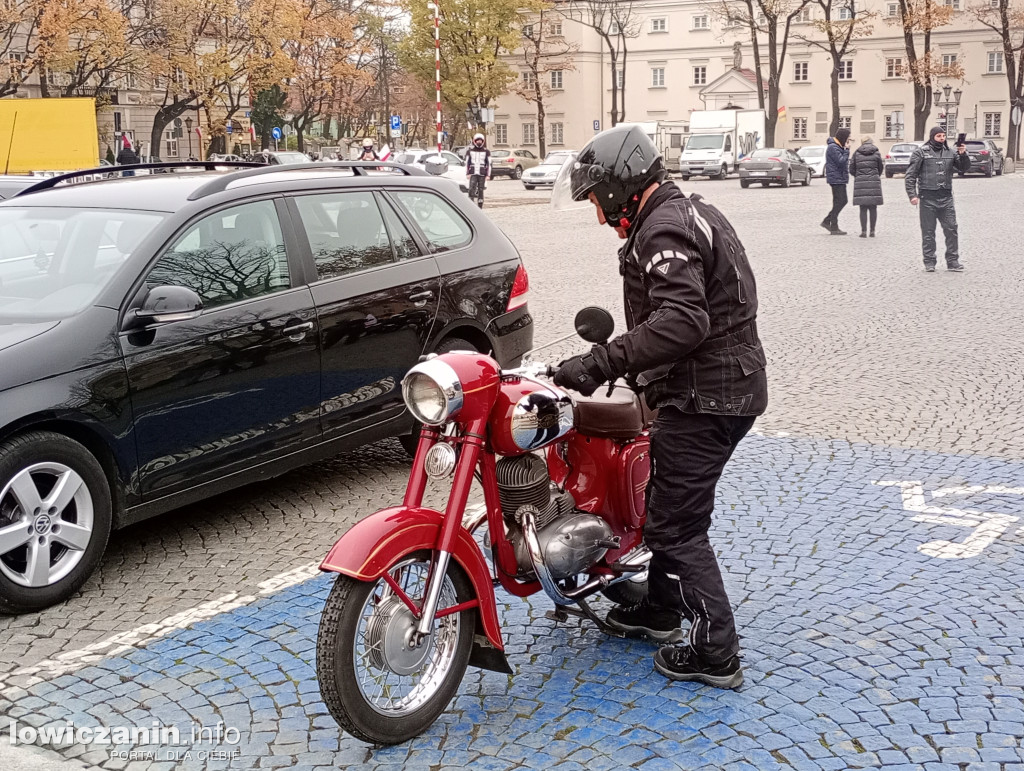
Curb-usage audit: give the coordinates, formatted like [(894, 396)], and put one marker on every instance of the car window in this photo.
[(452, 158), (728, 144), (499, 153), (768, 152), (346, 232), (811, 152), (401, 238), (235, 254), (443, 227)]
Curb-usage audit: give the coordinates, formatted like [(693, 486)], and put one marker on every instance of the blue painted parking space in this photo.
[(877, 590)]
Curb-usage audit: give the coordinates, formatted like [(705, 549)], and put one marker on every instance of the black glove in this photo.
[(584, 373)]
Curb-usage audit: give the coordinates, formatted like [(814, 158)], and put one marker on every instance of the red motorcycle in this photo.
[(414, 601)]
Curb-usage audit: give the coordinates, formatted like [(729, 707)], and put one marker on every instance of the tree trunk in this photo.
[(614, 114), (624, 53), (833, 126), (922, 109), (162, 120), (541, 135)]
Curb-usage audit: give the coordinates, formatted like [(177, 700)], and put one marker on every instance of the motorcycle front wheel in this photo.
[(378, 687)]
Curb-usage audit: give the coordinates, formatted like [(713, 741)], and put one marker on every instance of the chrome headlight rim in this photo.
[(447, 382)]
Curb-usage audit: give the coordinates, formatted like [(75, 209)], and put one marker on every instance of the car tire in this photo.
[(888, 174), (764, 184), (529, 187), (1000, 172), (788, 179), (684, 177), (518, 173), (991, 170), (723, 172), (744, 183), (411, 440), (807, 178), (35, 463)]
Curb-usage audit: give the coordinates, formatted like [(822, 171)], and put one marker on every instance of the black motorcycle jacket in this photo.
[(931, 170), (691, 310)]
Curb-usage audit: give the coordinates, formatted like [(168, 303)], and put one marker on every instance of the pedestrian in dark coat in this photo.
[(866, 166), (837, 174)]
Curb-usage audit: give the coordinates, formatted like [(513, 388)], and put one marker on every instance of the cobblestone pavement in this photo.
[(882, 622)]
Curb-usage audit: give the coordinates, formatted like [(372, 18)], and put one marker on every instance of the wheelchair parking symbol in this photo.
[(985, 526)]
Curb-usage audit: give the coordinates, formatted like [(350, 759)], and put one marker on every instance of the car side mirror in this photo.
[(166, 304), (595, 325)]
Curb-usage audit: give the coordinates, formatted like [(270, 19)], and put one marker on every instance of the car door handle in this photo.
[(421, 298), (297, 331)]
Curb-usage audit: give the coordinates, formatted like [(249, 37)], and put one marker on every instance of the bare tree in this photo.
[(1006, 19), (19, 37), (917, 20), (769, 24), (840, 25), (615, 22), (545, 54)]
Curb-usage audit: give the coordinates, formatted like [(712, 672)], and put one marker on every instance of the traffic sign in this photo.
[(1016, 115), (396, 123), (276, 133), (229, 128), (597, 125)]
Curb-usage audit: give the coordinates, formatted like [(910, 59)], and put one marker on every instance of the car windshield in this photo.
[(54, 262), (811, 152), (975, 145), (291, 158), (705, 142), (406, 158), (767, 153), (557, 159)]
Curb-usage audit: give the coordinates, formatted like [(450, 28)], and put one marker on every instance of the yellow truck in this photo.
[(47, 135)]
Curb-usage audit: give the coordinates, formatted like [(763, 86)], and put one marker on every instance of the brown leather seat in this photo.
[(619, 416)]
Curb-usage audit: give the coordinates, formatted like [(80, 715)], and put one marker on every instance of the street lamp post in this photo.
[(437, 65), (188, 130), (941, 99)]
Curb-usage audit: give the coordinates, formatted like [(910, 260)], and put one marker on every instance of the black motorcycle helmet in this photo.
[(617, 166)]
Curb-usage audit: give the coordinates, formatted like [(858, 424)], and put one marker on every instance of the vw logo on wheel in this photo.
[(43, 524)]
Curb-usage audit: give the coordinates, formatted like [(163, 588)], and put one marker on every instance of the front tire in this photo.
[(807, 178), (55, 520), (379, 689), (529, 187), (684, 177), (518, 173), (723, 172)]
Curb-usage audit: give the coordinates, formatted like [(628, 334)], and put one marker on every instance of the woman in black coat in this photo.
[(866, 167)]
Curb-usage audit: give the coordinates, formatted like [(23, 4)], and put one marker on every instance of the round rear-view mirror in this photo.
[(595, 325)]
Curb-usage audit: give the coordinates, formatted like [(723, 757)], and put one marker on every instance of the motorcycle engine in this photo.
[(571, 541)]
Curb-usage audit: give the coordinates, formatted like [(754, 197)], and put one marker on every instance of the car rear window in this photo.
[(811, 152), (903, 148), (976, 145), (442, 225), (767, 153), (499, 153)]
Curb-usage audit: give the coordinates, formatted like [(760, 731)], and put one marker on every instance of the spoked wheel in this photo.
[(378, 686)]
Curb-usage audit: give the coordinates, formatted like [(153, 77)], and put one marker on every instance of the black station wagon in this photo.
[(170, 336)]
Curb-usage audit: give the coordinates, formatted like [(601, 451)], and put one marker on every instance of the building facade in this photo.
[(683, 58)]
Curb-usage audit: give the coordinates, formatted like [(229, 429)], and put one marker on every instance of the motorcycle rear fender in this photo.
[(376, 543)]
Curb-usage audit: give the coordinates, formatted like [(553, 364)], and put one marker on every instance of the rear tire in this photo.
[(1000, 172), (990, 170), (518, 173), (788, 179), (684, 177), (411, 440), (345, 627)]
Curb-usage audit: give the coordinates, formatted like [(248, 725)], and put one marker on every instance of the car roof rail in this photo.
[(358, 168), (47, 183)]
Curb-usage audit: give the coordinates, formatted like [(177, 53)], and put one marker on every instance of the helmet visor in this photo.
[(568, 192)]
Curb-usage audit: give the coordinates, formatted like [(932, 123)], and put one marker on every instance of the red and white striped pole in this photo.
[(437, 66)]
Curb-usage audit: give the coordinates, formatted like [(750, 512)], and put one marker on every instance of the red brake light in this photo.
[(520, 290), (776, 160), (888, 157), (983, 152)]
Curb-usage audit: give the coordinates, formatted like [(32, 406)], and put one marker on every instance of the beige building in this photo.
[(683, 59)]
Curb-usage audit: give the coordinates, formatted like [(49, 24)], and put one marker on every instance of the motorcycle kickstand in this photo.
[(561, 614)]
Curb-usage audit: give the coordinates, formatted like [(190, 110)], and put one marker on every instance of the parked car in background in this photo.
[(456, 166), (169, 337), (986, 157), (774, 166), (512, 163), (283, 157), (11, 185), (814, 156), (461, 151), (897, 160), (545, 173), (227, 157)]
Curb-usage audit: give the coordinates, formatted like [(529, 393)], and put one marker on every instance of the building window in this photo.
[(556, 134), (799, 128), (995, 61), (892, 10), (529, 134), (846, 69), (700, 76), (949, 60), (993, 124), (170, 145), (620, 78), (501, 133), (894, 67), (846, 122), (801, 71), (556, 28), (613, 28), (845, 12), (657, 77), (954, 4), (892, 126), (659, 25), (528, 31), (556, 80), (700, 22), (529, 79), (804, 17)]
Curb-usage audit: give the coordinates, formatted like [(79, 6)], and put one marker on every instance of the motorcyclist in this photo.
[(478, 168), (368, 153), (692, 346), (929, 182)]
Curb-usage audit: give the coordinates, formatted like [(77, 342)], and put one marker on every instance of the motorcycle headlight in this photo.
[(432, 392)]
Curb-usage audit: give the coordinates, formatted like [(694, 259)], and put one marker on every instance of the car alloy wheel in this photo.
[(55, 518)]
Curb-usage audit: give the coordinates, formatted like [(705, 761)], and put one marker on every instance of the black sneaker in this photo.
[(646, 620), (681, 663), (956, 267), (929, 268), (838, 232), (825, 224)]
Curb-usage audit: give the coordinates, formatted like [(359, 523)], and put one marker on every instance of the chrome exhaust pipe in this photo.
[(640, 557), (559, 596)]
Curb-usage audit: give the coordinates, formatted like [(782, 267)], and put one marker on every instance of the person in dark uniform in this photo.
[(478, 168), (929, 184), (692, 346)]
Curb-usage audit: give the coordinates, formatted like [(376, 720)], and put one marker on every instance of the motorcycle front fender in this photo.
[(376, 543)]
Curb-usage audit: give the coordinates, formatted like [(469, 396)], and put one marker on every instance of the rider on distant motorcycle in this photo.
[(692, 346)]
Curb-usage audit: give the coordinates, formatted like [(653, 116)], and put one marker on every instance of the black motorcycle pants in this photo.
[(476, 189), (688, 454), (938, 207)]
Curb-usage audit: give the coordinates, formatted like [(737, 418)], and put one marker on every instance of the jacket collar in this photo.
[(665, 192)]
